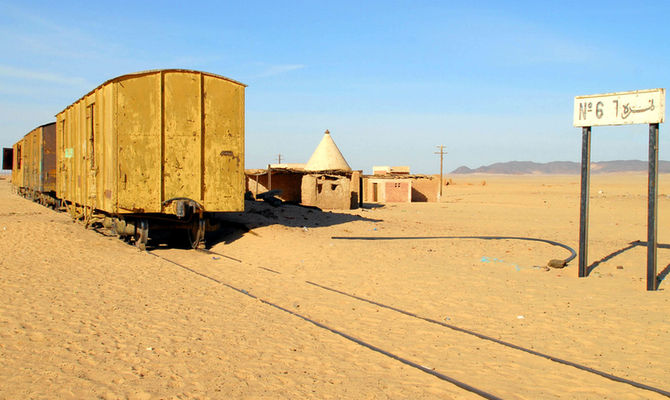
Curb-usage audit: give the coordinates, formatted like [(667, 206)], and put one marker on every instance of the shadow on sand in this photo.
[(258, 214), (661, 276)]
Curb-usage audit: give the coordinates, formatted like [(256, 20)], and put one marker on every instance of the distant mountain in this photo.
[(561, 167)]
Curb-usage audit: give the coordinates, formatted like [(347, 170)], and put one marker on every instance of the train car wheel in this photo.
[(115, 228), (142, 235), (196, 233)]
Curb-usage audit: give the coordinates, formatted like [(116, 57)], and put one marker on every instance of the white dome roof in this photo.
[(327, 157)]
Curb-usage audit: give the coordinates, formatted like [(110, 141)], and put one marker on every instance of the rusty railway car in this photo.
[(17, 165), (153, 150), (34, 165)]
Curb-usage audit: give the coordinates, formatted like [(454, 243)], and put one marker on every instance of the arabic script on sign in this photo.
[(638, 107)]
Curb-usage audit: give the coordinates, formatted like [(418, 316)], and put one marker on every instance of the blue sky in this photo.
[(491, 80)]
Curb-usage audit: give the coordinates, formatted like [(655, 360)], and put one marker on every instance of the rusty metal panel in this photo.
[(92, 149), (223, 147), (60, 127), (17, 174), (34, 164), (63, 155), (95, 138), (72, 154), (182, 158), (138, 127), (106, 166), (35, 172), (83, 161), (48, 161), (30, 160), (78, 130)]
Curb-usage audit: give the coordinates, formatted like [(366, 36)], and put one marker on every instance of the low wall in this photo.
[(288, 183), (425, 189)]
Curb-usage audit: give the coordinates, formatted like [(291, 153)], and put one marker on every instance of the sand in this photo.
[(84, 315)]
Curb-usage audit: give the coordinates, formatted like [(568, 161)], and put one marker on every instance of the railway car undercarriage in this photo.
[(186, 227)]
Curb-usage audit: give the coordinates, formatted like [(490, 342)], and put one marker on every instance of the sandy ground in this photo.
[(84, 315)]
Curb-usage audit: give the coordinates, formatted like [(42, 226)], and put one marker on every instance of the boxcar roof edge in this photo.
[(149, 72), (37, 127)]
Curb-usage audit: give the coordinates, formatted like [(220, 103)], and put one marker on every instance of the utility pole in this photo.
[(441, 153), (278, 158)]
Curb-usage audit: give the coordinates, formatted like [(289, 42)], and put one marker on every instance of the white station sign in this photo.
[(623, 108)]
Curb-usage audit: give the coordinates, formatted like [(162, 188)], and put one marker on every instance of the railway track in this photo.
[(282, 297)]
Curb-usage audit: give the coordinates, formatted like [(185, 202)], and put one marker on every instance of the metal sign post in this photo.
[(652, 208), (637, 107), (584, 203)]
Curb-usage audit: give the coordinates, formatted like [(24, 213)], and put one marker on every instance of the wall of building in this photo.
[(389, 190), (288, 182), (355, 189), (388, 170), (380, 190), (425, 189), (327, 192), (371, 192), (398, 191)]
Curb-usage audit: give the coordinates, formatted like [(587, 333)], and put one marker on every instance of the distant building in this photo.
[(386, 170), (286, 180), (396, 185), (289, 166), (326, 181)]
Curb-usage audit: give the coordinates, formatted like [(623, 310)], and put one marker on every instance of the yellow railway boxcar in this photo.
[(17, 165), (34, 164), (154, 143)]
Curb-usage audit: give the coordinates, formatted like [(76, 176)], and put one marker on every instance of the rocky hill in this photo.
[(561, 167)]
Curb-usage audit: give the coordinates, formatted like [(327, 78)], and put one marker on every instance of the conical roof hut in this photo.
[(327, 157)]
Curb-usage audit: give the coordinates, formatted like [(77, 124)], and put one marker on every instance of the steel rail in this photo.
[(501, 342), (479, 335), (353, 339)]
